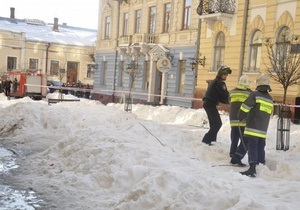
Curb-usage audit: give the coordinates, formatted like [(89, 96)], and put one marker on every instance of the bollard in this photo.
[(128, 103), (283, 129)]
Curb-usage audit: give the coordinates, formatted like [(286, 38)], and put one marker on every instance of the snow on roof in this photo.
[(67, 35)]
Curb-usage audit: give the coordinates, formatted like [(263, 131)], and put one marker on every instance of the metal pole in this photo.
[(242, 53), (116, 54)]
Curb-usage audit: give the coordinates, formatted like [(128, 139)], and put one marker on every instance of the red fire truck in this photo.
[(29, 84)]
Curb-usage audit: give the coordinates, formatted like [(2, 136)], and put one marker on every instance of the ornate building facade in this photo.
[(207, 33)]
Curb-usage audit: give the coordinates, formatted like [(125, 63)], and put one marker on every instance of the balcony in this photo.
[(212, 11), (137, 43)]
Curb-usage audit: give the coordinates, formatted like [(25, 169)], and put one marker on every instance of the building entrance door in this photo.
[(72, 69)]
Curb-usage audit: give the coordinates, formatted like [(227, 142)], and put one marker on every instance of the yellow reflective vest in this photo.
[(257, 110)]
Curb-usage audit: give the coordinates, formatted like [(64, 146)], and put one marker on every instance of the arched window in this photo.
[(255, 51), (282, 43), (219, 50)]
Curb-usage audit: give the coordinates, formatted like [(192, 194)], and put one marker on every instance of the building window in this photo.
[(72, 65), (219, 50), (104, 72), (125, 24), (107, 27), (282, 43), (147, 75), (11, 63), (54, 67), (90, 70), (187, 14), (167, 17), (181, 79), (121, 74), (152, 20), (138, 17), (255, 52), (33, 64)]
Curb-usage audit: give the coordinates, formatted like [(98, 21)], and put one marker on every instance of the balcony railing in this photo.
[(216, 6), (138, 38), (144, 38), (125, 40)]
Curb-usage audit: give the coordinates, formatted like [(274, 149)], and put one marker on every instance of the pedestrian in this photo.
[(87, 93), (7, 87), (257, 110), (237, 96), (15, 85), (216, 93)]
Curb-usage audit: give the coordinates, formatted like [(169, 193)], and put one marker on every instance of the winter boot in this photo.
[(236, 161), (251, 171)]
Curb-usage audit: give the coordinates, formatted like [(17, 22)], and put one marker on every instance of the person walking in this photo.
[(7, 87), (15, 85), (216, 93), (236, 97), (257, 110)]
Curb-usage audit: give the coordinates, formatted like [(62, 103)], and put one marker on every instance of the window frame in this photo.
[(187, 9), (181, 76), (107, 27), (52, 63), (255, 48), (138, 21), (33, 64), (146, 77), (125, 23), (167, 17), (13, 60), (152, 20), (219, 51), (121, 73), (104, 72)]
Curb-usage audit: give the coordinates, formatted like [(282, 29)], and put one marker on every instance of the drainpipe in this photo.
[(197, 48), (47, 54), (242, 53), (116, 54)]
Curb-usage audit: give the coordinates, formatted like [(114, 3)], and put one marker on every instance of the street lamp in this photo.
[(196, 61)]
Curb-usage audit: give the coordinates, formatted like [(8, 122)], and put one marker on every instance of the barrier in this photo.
[(56, 100)]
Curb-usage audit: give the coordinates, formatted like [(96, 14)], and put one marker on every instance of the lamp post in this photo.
[(197, 61), (61, 76), (134, 70)]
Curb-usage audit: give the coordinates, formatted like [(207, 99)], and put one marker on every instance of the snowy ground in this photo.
[(84, 155)]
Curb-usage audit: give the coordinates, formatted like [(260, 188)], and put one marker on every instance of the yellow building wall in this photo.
[(275, 18), (14, 45)]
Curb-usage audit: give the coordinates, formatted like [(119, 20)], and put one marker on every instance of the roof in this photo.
[(38, 31)]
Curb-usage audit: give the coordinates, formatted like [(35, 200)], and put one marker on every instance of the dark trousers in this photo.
[(235, 139), (256, 149), (7, 92), (215, 123)]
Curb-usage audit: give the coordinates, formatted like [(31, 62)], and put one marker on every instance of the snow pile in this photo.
[(84, 155)]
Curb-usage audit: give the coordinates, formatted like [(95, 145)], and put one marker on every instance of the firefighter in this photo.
[(257, 110), (236, 97), (216, 93)]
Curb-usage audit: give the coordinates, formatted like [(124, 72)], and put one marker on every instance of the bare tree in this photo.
[(135, 71), (284, 62)]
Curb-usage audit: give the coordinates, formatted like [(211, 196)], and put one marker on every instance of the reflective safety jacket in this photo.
[(236, 97), (216, 92), (257, 108)]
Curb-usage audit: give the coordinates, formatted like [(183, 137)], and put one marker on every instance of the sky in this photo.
[(86, 155), (79, 13)]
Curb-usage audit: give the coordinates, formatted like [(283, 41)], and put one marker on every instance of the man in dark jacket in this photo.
[(216, 93), (257, 110), (237, 96), (8, 83)]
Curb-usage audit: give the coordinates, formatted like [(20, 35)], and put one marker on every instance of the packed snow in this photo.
[(85, 155)]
